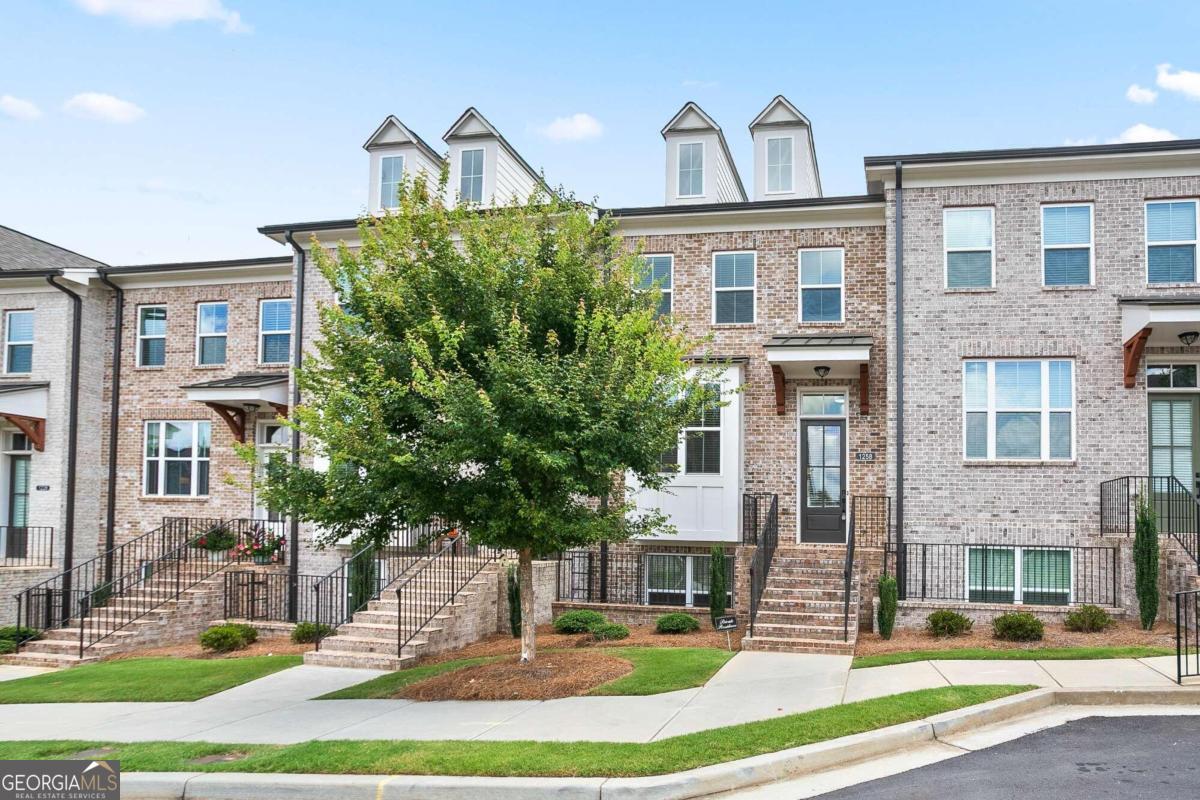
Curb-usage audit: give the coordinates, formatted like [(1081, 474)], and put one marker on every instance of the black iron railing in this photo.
[(1176, 509), (1009, 573), (764, 510), (872, 517), (26, 546), (433, 585), (1187, 634), (624, 577), (264, 596)]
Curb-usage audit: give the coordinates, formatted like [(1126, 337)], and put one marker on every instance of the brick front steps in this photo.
[(802, 605)]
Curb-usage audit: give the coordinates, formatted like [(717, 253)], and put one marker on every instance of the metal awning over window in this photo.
[(1156, 322), (24, 405), (826, 357), (233, 397)]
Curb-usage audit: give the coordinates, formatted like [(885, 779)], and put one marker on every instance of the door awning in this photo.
[(826, 357), (1154, 322), (24, 405), (233, 397)]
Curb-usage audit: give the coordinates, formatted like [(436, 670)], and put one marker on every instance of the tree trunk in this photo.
[(528, 606)]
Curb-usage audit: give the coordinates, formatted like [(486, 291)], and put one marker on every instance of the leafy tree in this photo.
[(1145, 562), (717, 583), (494, 368)]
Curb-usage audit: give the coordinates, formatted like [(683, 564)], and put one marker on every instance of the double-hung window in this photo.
[(391, 173), (701, 440), (821, 285), (176, 458), (274, 331), (691, 169), (152, 336), (1171, 241), (968, 236), (733, 288), (779, 165), (1032, 575), (470, 180), (212, 328), (657, 272), (683, 580), (18, 341), (1067, 245), (1018, 410)]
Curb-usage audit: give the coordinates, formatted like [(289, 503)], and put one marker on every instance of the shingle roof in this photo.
[(20, 252)]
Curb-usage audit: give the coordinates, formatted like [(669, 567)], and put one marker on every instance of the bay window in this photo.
[(1018, 410)]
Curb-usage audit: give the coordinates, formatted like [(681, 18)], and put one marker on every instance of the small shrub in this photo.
[(7, 646), (223, 639), (19, 633), (609, 631), (309, 632), (886, 618), (1018, 626), (676, 623), (947, 623), (578, 621), (218, 538), (1088, 619), (249, 632)]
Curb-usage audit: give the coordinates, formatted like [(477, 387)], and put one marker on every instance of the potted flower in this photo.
[(263, 548), (217, 541)]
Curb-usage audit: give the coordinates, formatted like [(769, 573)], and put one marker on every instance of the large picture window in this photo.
[(968, 234), (1018, 410), (683, 580), (1171, 241), (733, 288), (177, 458)]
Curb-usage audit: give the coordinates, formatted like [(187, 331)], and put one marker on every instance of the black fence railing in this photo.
[(995, 573), (264, 597), (624, 577), (1176, 509), (872, 517), (26, 546), (1187, 635), (765, 511), (435, 584)]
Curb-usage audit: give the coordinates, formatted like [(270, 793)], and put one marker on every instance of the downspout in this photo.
[(901, 556), (110, 514), (297, 352), (72, 442)]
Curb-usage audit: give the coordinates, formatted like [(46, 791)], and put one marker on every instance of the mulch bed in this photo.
[(547, 639), (1123, 634), (552, 675), (273, 646)]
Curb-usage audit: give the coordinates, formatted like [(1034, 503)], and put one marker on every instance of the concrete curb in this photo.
[(676, 786)]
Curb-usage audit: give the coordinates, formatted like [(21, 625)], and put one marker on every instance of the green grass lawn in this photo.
[(142, 680), (655, 670), (556, 759), (1030, 654)]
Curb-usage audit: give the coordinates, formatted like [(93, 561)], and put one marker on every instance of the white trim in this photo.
[(140, 337), (767, 165), (753, 287), (1044, 411), (946, 250), (482, 173), (8, 340), (1091, 244), (1195, 243), (162, 460), (201, 336), (844, 391), (1169, 360), (689, 572), (379, 175), (1018, 590), (840, 286), (263, 334), (679, 169)]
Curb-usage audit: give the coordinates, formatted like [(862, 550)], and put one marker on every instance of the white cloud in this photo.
[(164, 13), (17, 108), (574, 128), (1142, 132), (104, 107), (1140, 95), (1181, 80)]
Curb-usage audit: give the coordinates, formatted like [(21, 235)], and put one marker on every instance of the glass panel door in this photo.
[(823, 480), (16, 539)]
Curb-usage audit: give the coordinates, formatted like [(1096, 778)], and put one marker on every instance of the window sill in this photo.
[(143, 368), (175, 498), (1020, 463), (1180, 285), (210, 366), (969, 290), (735, 324), (1071, 288), (18, 375), (271, 364), (826, 324)]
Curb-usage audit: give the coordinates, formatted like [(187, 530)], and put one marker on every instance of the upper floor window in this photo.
[(1067, 245), (152, 336), (1018, 410), (733, 287), (391, 173), (657, 272), (821, 285), (274, 331), (968, 234), (691, 169), (212, 327), (470, 180), (177, 458), (18, 351), (1171, 241), (702, 438), (779, 165)]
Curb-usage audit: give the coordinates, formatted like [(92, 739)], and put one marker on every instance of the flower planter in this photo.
[(216, 556), (262, 558)]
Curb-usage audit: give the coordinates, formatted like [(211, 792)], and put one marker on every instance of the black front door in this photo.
[(822, 481)]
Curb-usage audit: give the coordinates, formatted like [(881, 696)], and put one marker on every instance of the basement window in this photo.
[(1029, 575), (683, 580)]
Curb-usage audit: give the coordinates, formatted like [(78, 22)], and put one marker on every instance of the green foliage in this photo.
[(1018, 626), (224, 638), (609, 631), (947, 623), (1088, 619), (100, 595), (717, 587), (578, 621), (363, 577), (309, 632), (249, 632), (1145, 563), (19, 633), (676, 622), (888, 599), (216, 539), (7, 646), (514, 601)]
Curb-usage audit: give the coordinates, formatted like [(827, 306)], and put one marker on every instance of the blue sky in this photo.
[(167, 130)]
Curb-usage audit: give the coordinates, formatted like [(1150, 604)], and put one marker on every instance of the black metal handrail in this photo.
[(258, 595), (26, 546), (766, 536), (1187, 634), (848, 574), (1176, 509)]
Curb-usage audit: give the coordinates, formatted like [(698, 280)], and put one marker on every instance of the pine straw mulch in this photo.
[(271, 646), (1122, 634), (553, 675), (639, 636)]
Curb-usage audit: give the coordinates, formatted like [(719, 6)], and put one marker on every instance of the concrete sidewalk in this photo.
[(278, 708)]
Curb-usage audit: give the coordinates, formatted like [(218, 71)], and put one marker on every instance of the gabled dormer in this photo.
[(484, 168), (395, 151), (785, 161), (700, 168)]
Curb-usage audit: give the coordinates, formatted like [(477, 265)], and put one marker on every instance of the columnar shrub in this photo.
[(886, 618), (717, 583), (1145, 563)]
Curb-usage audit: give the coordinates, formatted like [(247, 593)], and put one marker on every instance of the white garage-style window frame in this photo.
[(274, 330), (969, 236), (682, 579), (152, 335), (212, 330), (690, 169), (176, 458), (391, 174), (1171, 239), (1018, 410), (734, 287), (1022, 575), (822, 284), (781, 169), (1068, 251), (18, 342)]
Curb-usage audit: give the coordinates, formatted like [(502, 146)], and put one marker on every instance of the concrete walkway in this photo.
[(751, 686)]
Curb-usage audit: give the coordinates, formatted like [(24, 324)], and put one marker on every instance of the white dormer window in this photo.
[(391, 172), (691, 169), (470, 181), (779, 165)]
